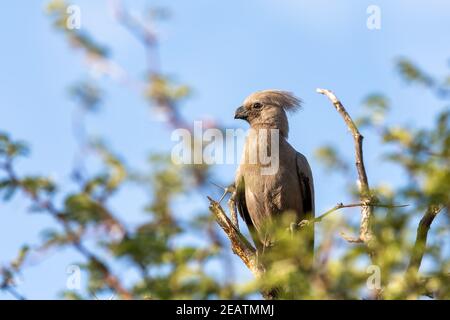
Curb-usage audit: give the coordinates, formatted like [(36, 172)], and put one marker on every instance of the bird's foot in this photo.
[(304, 223)]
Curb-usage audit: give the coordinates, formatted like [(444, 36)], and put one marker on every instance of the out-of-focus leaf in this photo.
[(36, 185), (412, 73), (329, 156), (87, 94), (83, 209)]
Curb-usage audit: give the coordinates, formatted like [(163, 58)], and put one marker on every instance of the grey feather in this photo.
[(263, 198)]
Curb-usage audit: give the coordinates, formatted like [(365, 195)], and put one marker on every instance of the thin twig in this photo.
[(341, 206), (7, 284), (12, 291), (421, 239)]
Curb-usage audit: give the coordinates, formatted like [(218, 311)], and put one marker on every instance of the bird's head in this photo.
[(267, 109)]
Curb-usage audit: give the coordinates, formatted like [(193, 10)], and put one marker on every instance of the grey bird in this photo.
[(263, 197)]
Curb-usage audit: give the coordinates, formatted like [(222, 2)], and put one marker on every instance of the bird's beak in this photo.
[(241, 113)]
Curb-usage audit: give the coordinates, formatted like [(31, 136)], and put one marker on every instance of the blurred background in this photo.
[(96, 106)]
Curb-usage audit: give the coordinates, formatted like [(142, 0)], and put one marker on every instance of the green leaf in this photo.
[(83, 209)]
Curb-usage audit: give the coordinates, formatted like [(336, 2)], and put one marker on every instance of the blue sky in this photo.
[(224, 50)]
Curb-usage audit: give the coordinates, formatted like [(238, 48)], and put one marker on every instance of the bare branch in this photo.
[(239, 244), (365, 234), (232, 208)]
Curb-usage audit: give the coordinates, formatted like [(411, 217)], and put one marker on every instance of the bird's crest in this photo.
[(280, 98)]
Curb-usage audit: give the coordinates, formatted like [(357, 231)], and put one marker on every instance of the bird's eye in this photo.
[(257, 105)]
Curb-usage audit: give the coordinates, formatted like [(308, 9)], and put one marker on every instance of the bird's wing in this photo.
[(307, 193), (241, 205), (305, 177)]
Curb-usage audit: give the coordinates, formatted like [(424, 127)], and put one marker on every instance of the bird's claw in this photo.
[(303, 223)]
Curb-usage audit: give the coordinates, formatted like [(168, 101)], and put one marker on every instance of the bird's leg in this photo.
[(232, 206)]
